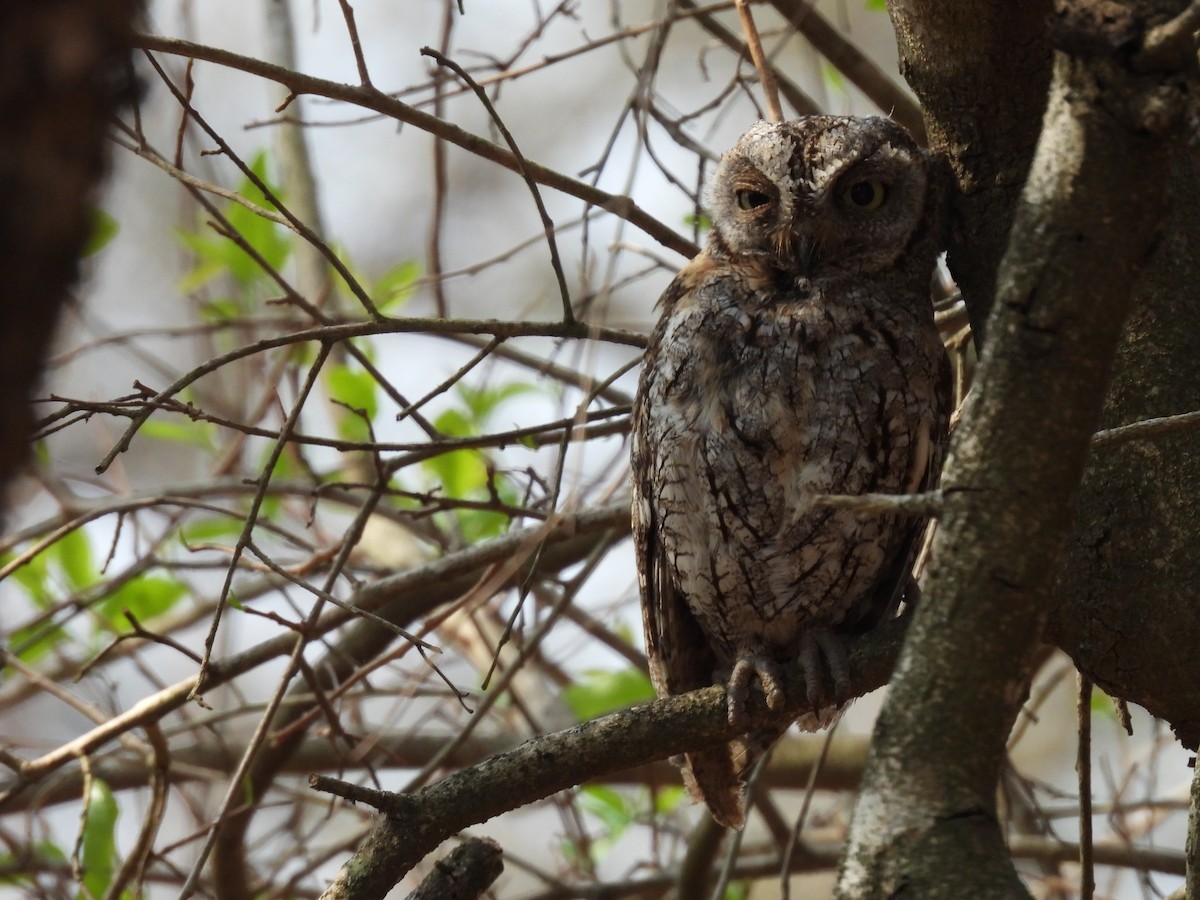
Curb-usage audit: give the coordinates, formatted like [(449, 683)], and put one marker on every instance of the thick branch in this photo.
[(980, 69), (465, 874), (1088, 220), (417, 823)]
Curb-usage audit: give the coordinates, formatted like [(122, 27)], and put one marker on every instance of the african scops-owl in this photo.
[(795, 356)]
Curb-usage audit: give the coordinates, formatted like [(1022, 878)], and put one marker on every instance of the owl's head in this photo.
[(822, 197)]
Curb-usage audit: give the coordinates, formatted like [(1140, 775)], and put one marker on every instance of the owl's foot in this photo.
[(822, 651), (738, 693)]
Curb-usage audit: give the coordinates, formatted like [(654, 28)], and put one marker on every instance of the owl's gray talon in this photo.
[(745, 670), (822, 651)]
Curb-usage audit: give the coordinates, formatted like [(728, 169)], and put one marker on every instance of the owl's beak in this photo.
[(796, 249), (803, 252)]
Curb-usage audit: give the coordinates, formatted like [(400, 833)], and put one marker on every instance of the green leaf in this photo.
[(202, 531), (217, 255), (601, 691), (357, 389), (45, 855), (34, 642), (34, 577), (145, 596), (104, 229), (74, 555), (1102, 704), (668, 798), (396, 285), (877, 5), (608, 805), (98, 850), (834, 79), (703, 221), (221, 310), (461, 472), (481, 524), (197, 434), (482, 402)]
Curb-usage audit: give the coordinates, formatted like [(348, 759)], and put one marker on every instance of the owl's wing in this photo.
[(928, 439), (681, 660), (679, 655)]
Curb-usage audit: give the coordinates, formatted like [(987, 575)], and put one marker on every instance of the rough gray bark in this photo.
[(926, 822), (465, 874), (1126, 598), (410, 826), (980, 69), (1126, 592)]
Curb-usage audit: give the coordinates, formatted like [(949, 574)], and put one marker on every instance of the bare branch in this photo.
[(370, 98)]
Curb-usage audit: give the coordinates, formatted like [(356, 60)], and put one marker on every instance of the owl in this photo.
[(795, 356)]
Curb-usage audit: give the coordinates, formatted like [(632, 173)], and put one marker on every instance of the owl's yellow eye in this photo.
[(867, 195), (752, 199)]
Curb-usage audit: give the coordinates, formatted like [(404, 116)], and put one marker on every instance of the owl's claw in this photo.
[(738, 693), (822, 651)]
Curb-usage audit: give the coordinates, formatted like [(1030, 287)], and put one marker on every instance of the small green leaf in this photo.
[(396, 285), (834, 79), (216, 255), (482, 402), (45, 856), (668, 798), (104, 229), (221, 310), (34, 577), (357, 389), (145, 596), (201, 531), (608, 805), (197, 434), (461, 472), (1102, 704), (702, 221), (31, 644), (601, 691), (74, 555), (98, 850), (877, 5)]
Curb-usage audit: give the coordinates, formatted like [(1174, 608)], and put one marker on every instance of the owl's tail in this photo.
[(717, 776)]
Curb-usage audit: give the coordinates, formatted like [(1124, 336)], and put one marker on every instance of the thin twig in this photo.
[(1083, 767), (364, 77), (848, 59), (928, 504), (251, 520), (1146, 429), (372, 99), (523, 168), (423, 588), (302, 228), (766, 76)]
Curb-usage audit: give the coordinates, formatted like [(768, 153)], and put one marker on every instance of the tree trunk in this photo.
[(64, 68), (1087, 224)]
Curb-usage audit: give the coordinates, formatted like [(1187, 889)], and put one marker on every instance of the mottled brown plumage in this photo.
[(795, 356)]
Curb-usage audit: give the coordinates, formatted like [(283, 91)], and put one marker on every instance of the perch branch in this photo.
[(412, 825)]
